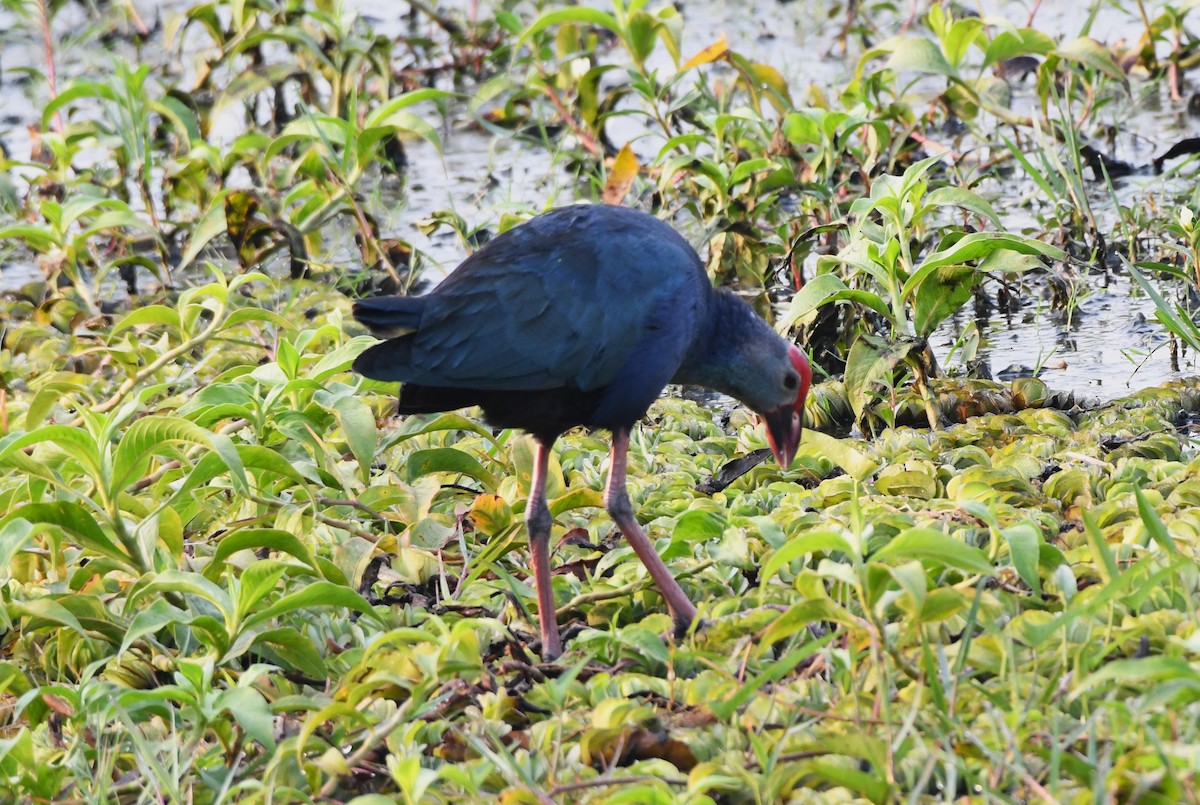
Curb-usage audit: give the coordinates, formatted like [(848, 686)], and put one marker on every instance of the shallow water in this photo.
[(1104, 349), (1108, 347)]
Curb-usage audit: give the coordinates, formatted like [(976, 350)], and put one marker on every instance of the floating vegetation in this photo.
[(229, 574)]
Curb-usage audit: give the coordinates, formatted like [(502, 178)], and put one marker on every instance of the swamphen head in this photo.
[(742, 356), (784, 422)]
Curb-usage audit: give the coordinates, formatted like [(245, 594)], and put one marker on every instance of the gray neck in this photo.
[(715, 352)]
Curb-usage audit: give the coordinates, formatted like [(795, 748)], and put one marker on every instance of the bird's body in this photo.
[(533, 311), (581, 316)]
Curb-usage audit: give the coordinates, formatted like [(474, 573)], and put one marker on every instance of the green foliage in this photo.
[(228, 576), (1177, 319), (878, 273), (222, 559)]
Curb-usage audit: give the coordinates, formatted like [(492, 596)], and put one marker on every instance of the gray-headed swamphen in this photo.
[(581, 316)]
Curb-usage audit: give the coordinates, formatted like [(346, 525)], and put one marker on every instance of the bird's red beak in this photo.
[(784, 423)]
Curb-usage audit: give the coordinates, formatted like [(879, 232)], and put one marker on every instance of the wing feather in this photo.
[(563, 300)]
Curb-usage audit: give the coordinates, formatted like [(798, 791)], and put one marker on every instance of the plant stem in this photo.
[(48, 51), (922, 383), (167, 357), (621, 592)]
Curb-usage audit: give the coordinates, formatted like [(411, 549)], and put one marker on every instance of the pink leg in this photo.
[(538, 522), (616, 500)]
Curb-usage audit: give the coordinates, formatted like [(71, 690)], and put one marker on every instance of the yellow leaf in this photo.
[(711, 53), (768, 77), (620, 178)]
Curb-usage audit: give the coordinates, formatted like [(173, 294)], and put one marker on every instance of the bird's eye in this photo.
[(790, 381)]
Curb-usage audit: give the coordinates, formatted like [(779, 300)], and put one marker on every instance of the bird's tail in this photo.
[(387, 361), (387, 316)]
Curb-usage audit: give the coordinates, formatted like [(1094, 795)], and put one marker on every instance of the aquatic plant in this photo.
[(228, 575)]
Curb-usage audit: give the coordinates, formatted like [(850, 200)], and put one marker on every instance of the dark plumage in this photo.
[(581, 316)]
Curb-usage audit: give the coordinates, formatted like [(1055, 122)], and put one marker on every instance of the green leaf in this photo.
[(575, 14), (817, 542), (144, 439), (151, 314), (180, 581), (962, 34), (803, 127), (1142, 672), (577, 498), (698, 525), (941, 296), (940, 604), (447, 459), (212, 633), (256, 582), (77, 90), (37, 238), (403, 121), (1091, 54), (294, 649), (871, 785), (521, 454), (358, 426), (1154, 524), (251, 711), (75, 442), (797, 618), (117, 219), (1017, 42), (340, 359), (254, 456), (152, 619), (973, 246), (1175, 319), (48, 610), (14, 533), (1024, 549), (317, 594), (45, 400), (965, 199), (380, 114), (933, 547), (312, 129), (747, 169), (823, 289), (913, 581), (256, 314), (640, 35), (212, 224), (774, 672), (919, 55), (1106, 563), (450, 422), (256, 539), (1006, 261), (223, 446), (872, 359), (854, 462), (76, 522), (76, 207)]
